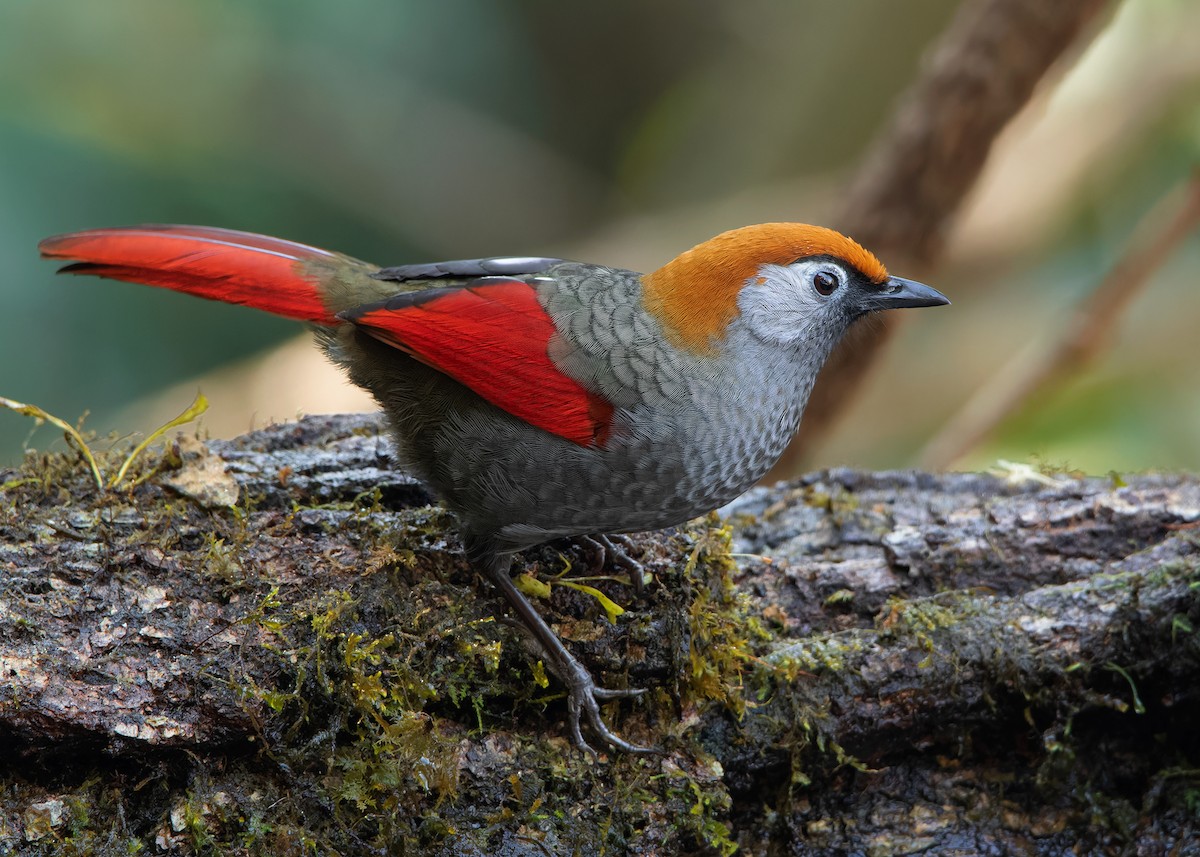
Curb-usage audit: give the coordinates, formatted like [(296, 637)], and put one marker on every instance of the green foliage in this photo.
[(76, 439)]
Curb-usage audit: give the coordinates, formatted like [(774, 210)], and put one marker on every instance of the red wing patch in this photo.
[(492, 337)]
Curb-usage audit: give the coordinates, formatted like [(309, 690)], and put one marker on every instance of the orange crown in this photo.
[(694, 296)]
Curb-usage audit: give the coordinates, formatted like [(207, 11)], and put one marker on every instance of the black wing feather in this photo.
[(501, 266)]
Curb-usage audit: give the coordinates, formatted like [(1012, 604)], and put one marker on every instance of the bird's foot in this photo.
[(583, 700), (583, 694), (604, 550)]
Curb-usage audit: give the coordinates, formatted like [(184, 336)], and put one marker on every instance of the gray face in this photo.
[(808, 301)]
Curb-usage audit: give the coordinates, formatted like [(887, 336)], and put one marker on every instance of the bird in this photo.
[(542, 398)]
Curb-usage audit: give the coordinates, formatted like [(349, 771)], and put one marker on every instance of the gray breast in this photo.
[(695, 442)]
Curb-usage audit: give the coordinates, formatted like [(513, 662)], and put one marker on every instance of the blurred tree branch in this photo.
[(1039, 369), (981, 73)]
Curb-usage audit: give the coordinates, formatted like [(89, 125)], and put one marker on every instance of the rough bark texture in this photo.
[(953, 664), (979, 75)]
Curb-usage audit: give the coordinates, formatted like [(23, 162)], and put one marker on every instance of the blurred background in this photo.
[(621, 133)]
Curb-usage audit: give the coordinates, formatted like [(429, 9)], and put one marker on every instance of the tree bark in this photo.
[(870, 663)]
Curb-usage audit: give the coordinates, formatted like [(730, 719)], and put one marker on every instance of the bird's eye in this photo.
[(825, 283)]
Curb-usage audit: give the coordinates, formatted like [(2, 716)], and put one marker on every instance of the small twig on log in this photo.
[(1038, 368), (983, 71)]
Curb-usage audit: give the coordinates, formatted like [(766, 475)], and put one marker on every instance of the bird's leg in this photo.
[(583, 694), (613, 550)]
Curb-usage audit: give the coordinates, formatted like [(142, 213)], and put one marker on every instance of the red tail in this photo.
[(218, 264)]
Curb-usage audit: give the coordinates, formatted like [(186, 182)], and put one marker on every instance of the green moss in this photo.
[(220, 561), (698, 799), (840, 597), (725, 636), (921, 618), (840, 503), (816, 654)]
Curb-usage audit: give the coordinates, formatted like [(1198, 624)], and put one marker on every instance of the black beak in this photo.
[(898, 293)]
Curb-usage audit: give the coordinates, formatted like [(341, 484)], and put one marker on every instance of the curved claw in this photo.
[(582, 696)]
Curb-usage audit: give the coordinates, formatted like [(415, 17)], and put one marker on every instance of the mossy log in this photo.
[(273, 645)]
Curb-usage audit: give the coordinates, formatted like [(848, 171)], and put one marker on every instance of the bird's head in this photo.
[(790, 283)]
